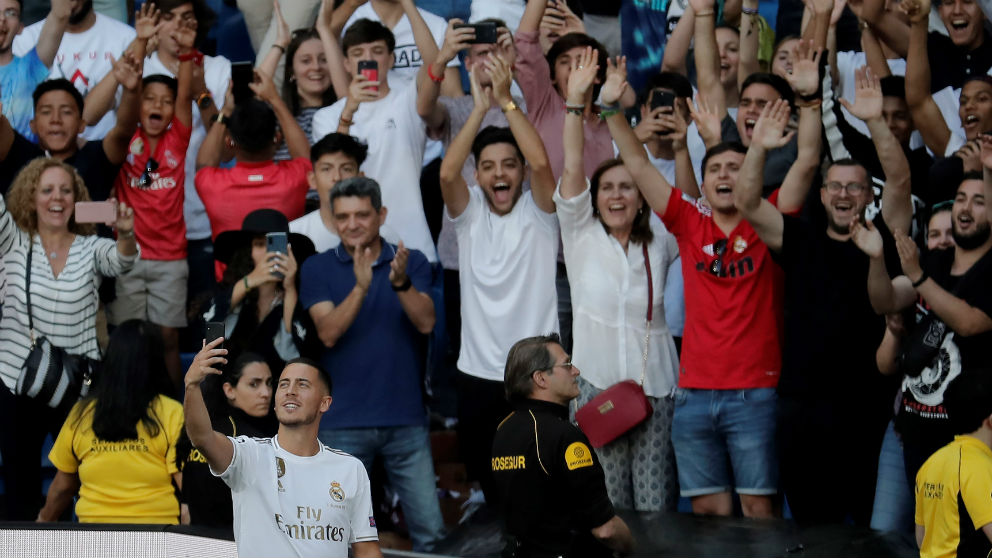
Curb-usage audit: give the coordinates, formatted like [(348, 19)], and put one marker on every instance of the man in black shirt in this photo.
[(832, 401), (551, 487), (58, 121), (953, 302)]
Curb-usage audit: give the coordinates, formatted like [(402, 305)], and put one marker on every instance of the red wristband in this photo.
[(431, 75), (195, 55)]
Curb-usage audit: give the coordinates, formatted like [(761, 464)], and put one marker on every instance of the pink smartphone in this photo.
[(369, 69), (96, 212)]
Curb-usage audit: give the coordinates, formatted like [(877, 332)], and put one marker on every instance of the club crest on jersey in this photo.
[(336, 492), (137, 146), (740, 245), (280, 467)]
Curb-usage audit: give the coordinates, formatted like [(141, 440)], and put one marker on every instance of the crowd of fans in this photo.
[(781, 236)]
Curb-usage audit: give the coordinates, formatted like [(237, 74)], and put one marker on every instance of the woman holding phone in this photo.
[(68, 261), (265, 315)]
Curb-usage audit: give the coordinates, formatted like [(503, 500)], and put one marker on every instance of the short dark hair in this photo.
[(252, 125), (526, 357), (367, 31), (776, 82), (494, 134), (205, 17), (566, 43), (641, 229), (339, 143), (165, 80), (722, 147), (850, 162), (893, 86), (968, 399), (972, 175), (59, 84), (322, 374), (730, 27), (358, 187), (666, 80)]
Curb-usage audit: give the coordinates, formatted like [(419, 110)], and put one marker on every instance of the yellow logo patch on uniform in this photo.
[(577, 455)]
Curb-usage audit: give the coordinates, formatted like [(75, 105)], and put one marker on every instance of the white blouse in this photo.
[(610, 300), (64, 307)]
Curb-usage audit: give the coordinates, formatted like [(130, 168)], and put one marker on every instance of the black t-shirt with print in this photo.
[(90, 160)]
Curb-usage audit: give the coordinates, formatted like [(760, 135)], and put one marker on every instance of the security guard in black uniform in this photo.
[(551, 487)]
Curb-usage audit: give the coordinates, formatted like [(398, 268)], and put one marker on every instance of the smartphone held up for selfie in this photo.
[(214, 331), (662, 99), (485, 32), (96, 212), (369, 69), (277, 242), (242, 74)]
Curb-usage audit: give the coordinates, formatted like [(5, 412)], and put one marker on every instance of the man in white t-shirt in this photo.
[(507, 247), (89, 46), (293, 496), (385, 118)]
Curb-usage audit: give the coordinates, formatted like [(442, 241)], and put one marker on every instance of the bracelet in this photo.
[(247, 286), (704, 14), (815, 96), (922, 278), (608, 111), (815, 103), (280, 47), (194, 55), (433, 77), (575, 111), (125, 234), (404, 286), (509, 106), (749, 11), (571, 106), (204, 100), (346, 121), (220, 118)]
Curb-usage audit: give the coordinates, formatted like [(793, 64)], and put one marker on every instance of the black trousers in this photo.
[(24, 424), (482, 406)]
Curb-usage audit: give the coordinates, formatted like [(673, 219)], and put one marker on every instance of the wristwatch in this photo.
[(510, 105), (220, 118), (402, 287), (204, 101)]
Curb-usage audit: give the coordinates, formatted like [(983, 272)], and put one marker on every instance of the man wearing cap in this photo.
[(368, 301)]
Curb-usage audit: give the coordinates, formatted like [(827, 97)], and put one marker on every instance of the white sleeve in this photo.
[(360, 513), (325, 121), (575, 213), (475, 204), (240, 474)]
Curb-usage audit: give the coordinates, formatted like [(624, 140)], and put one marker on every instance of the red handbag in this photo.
[(623, 405)]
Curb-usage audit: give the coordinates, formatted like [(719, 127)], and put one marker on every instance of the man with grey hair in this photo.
[(550, 485), (361, 295)]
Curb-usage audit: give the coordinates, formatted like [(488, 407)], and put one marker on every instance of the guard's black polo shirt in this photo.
[(551, 485), (951, 65)]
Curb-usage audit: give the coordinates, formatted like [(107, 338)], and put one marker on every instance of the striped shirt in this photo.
[(64, 307)]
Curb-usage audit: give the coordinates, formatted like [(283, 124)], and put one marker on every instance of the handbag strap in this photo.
[(650, 312), (27, 290)]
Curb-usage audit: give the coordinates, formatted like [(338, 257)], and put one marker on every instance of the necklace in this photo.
[(53, 255)]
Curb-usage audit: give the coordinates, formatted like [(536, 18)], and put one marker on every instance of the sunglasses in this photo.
[(146, 177), (719, 248)]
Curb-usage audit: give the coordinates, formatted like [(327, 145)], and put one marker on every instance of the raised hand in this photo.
[(867, 95), (918, 11), (616, 81), (909, 256), (266, 269), (205, 361), (768, 130), (505, 46), (653, 124), (146, 21), (455, 39), (283, 35), (127, 71), (263, 87), (805, 76), (678, 126), (502, 77), (363, 267), (125, 219), (701, 6), (362, 90), (185, 36), (867, 238), (837, 12), (971, 156), (397, 268), (582, 76), (706, 119), (289, 269), (985, 140), (480, 95), (560, 20)]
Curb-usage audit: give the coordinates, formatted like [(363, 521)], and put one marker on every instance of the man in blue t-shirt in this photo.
[(368, 299), (19, 75)]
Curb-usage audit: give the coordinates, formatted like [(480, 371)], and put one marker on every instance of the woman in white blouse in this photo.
[(67, 263), (609, 244)]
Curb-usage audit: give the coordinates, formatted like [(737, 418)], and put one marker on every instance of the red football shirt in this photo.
[(231, 194), (158, 202), (733, 310)]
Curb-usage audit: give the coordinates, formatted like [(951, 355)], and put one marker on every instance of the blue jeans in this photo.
[(406, 451), (893, 510), (712, 429)]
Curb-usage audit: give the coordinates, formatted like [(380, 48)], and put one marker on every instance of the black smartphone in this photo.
[(215, 330), (277, 242), (369, 69), (242, 74), (486, 32), (662, 99)]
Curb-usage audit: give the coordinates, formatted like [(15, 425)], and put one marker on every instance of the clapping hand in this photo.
[(397, 268), (480, 95), (283, 35), (918, 11), (867, 238), (909, 256), (502, 77)]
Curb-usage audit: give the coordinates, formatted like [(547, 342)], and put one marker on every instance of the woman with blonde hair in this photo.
[(67, 262)]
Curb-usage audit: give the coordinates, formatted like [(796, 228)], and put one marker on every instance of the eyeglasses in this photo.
[(10, 13), (853, 188), (716, 267), (567, 365), (146, 177)]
